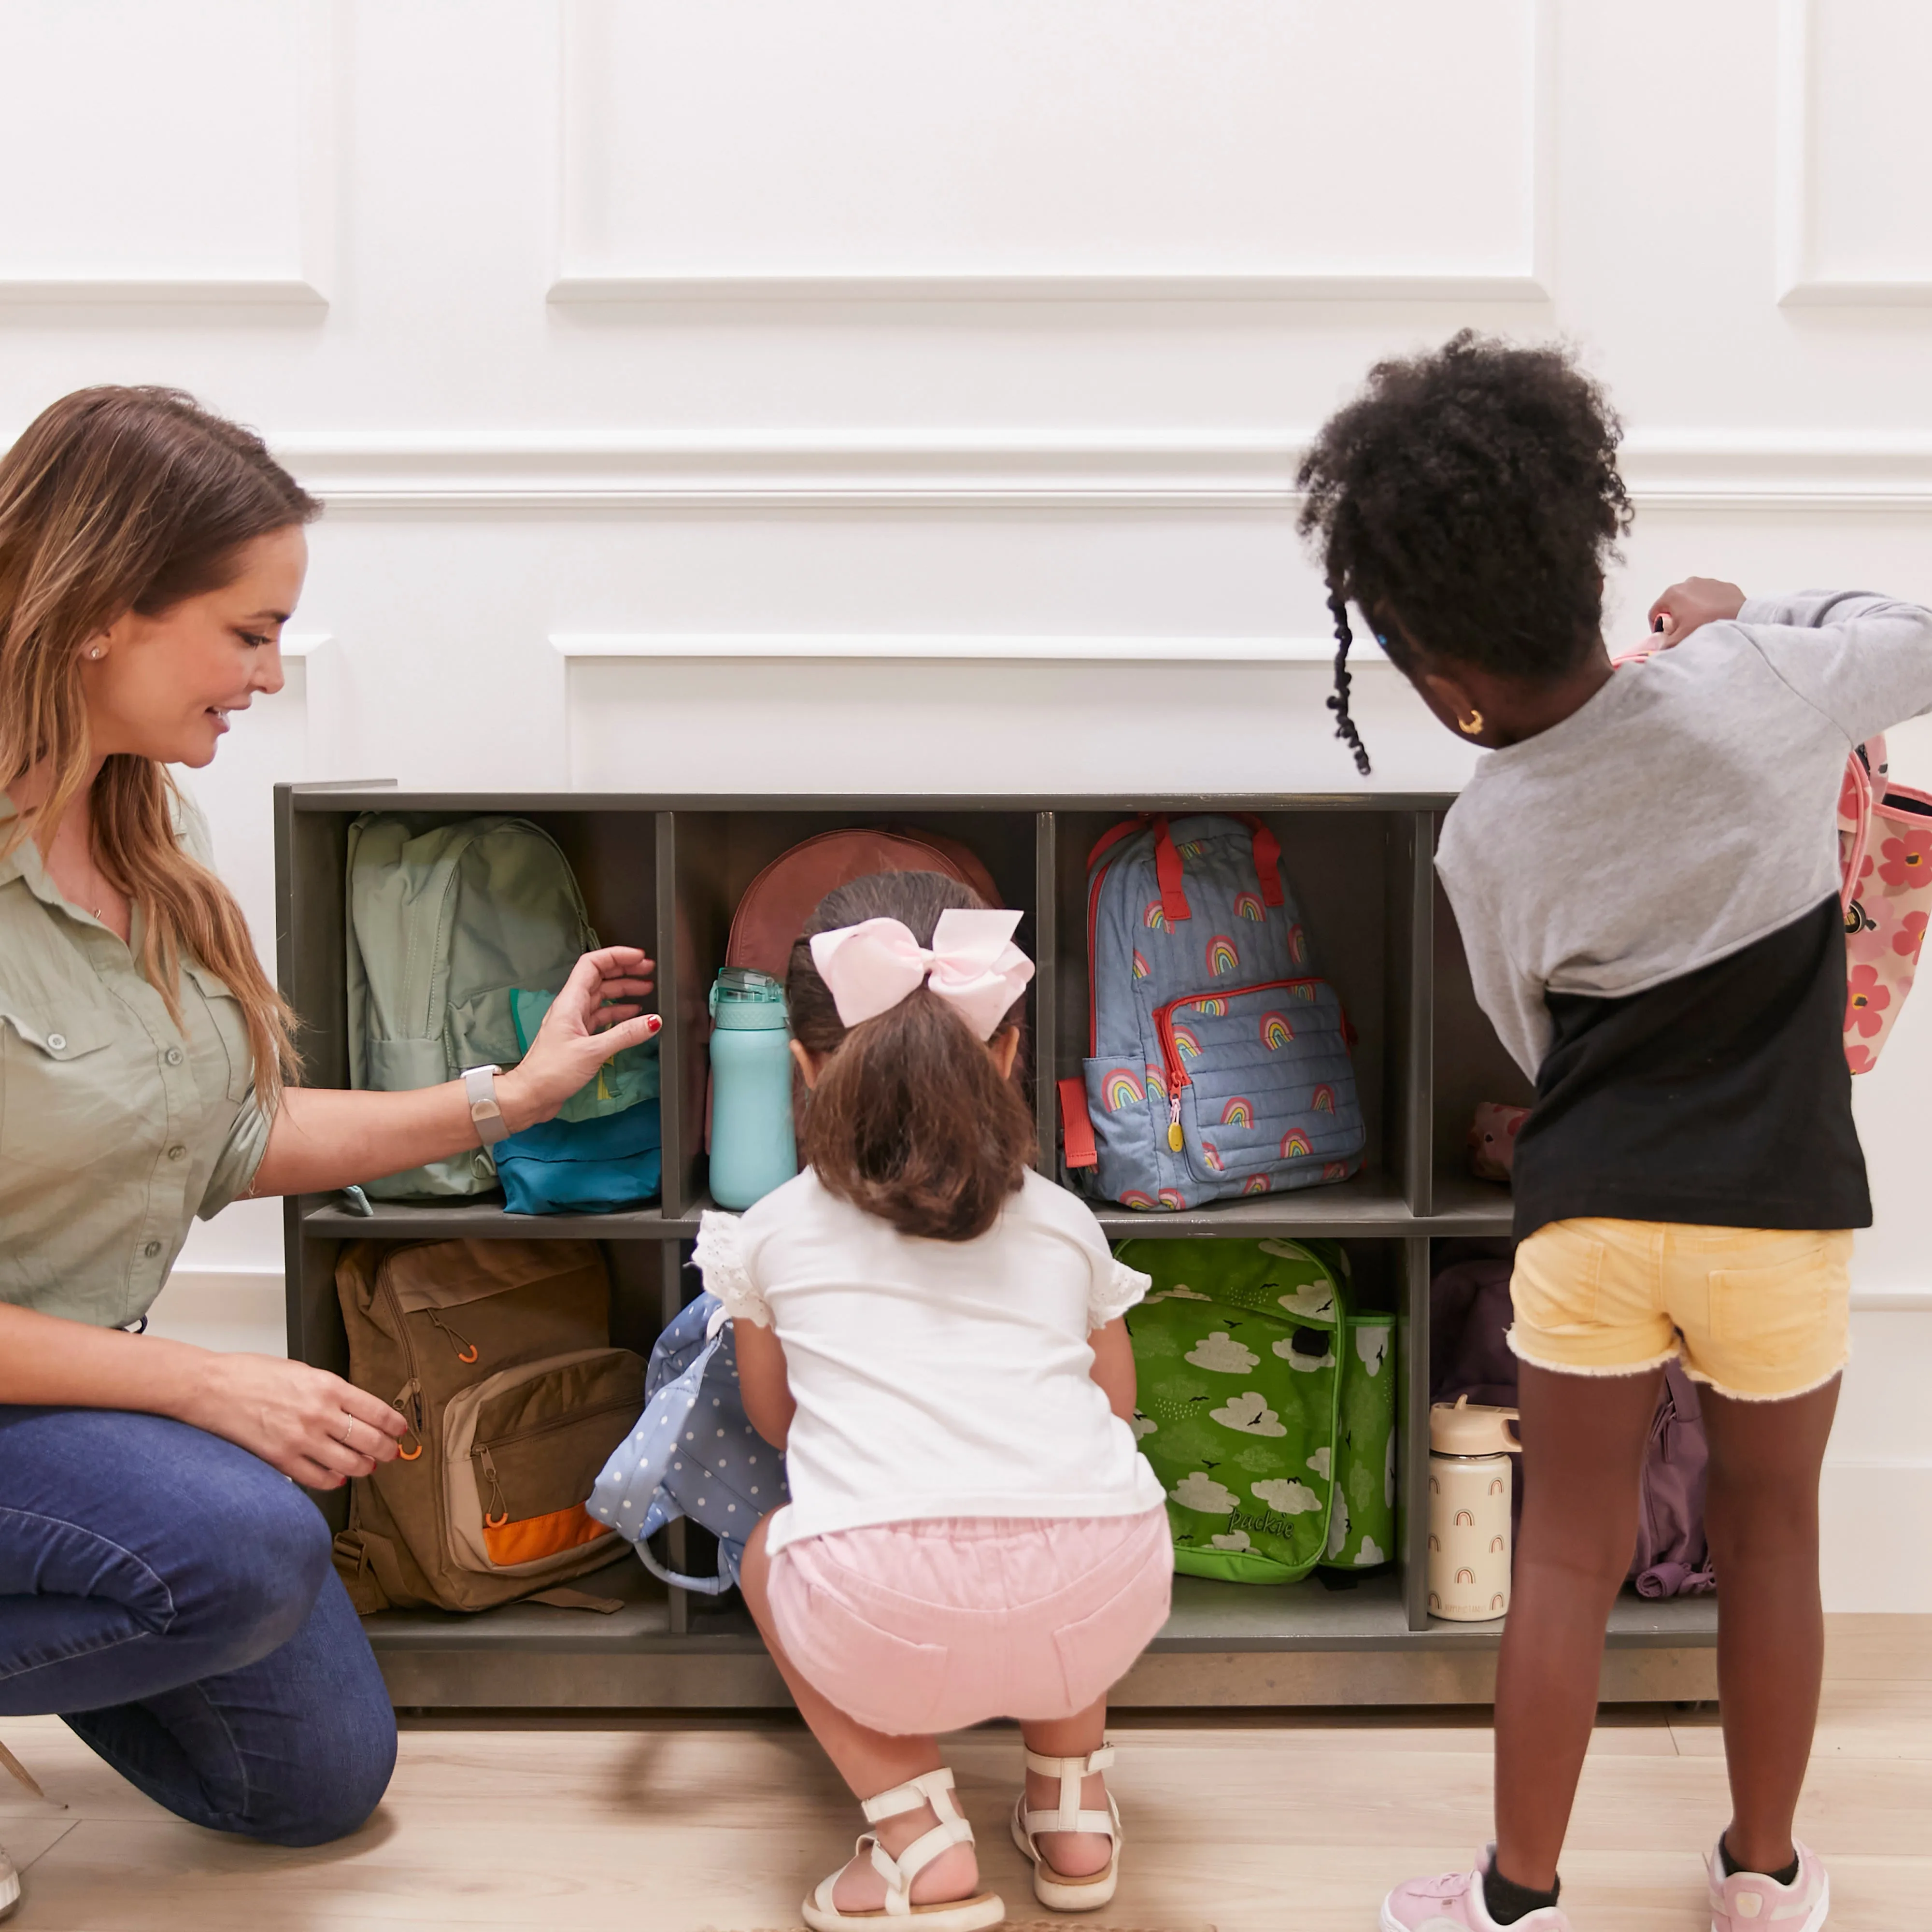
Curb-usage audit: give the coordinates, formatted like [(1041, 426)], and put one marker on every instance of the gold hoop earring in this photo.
[(1471, 726)]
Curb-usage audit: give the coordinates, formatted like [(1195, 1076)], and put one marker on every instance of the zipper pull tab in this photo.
[(466, 1350), (497, 1511), (407, 1403), (1174, 1138)]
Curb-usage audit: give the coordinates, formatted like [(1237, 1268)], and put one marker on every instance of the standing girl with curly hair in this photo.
[(1645, 869)]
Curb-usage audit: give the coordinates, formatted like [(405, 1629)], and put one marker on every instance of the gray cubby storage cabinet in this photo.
[(664, 872)]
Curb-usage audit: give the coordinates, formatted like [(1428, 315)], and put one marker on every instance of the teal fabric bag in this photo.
[(596, 1166)]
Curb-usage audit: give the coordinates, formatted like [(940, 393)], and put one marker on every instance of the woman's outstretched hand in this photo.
[(309, 1424), (1689, 606), (597, 1014)]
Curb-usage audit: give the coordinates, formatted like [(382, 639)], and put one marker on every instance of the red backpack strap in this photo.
[(1167, 869), (1268, 858), (1076, 1125), (1166, 861), (1109, 839)]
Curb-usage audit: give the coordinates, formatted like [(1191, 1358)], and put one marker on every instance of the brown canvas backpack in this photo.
[(498, 1354)]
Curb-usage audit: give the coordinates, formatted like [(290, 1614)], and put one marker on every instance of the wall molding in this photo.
[(1527, 282), (934, 647), (1800, 284), (315, 110), (941, 470)]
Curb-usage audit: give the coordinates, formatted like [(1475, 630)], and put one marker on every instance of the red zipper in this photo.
[(1176, 1068)]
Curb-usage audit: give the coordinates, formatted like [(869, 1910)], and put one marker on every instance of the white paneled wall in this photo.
[(813, 393)]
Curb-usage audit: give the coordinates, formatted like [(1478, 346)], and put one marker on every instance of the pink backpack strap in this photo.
[(1855, 815)]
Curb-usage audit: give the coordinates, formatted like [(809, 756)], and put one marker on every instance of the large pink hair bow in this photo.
[(973, 965)]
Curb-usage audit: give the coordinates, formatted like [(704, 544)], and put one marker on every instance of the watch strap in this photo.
[(479, 1083)]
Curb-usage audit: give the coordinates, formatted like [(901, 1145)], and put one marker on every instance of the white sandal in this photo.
[(956, 1915), (1055, 1889)]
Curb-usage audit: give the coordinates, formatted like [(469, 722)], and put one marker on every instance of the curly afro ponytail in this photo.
[(1466, 502)]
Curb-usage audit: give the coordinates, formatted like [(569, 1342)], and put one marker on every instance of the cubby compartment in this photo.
[(612, 849), (667, 873), (1351, 868), (1471, 1065), (712, 857)]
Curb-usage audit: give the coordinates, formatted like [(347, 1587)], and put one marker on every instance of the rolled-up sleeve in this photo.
[(240, 1158)]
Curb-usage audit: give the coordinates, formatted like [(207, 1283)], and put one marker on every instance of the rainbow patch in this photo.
[(1192, 849), (1297, 945), (1140, 966), (1295, 1145), (1211, 1009), (1302, 990), (1134, 1198), (1186, 1044), (1156, 1083), (1246, 906), (1222, 957), (1238, 1112), (1122, 1090), (1323, 1100), (1155, 918), (1275, 1031), (1256, 1183), (1172, 1199), (1335, 1170), (1211, 1154)]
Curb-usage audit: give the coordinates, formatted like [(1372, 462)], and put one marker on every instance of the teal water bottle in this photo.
[(752, 1148)]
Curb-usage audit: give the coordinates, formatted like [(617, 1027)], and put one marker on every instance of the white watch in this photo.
[(480, 1084)]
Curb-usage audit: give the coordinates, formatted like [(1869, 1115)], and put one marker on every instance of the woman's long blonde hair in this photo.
[(114, 500)]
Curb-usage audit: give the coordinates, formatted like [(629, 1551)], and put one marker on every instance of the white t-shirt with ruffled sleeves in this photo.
[(935, 1378)]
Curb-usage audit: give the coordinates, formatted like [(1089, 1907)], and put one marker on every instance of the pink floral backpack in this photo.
[(1884, 852)]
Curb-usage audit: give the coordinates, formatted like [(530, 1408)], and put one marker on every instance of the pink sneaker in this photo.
[(1749, 1900), (1454, 1902)]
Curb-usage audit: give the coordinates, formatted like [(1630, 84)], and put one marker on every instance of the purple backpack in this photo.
[(1469, 1314)]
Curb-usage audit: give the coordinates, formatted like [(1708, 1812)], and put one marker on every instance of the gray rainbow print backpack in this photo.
[(1218, 1057)]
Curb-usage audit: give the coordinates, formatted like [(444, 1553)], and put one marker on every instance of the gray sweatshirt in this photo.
[(1684, 818)]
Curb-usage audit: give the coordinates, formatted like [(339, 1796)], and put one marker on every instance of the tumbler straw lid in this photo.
[(1461, 1428)]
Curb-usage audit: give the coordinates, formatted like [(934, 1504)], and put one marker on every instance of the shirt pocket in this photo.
[(64, 1096), (228, 1062)]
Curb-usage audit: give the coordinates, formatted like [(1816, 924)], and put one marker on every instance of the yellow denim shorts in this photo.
[(1760, 1313)]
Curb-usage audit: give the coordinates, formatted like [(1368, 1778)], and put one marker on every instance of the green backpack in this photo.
[(1260, 1405), (459, 936)]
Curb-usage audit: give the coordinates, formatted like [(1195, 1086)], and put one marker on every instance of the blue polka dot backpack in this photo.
[(693, 1453)]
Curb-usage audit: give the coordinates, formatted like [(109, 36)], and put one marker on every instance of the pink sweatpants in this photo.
[(918, 1628)]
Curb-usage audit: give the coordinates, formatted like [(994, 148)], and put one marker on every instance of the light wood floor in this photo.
[(1243, 1824)]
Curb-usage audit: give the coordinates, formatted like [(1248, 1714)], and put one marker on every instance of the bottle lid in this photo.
[(742, 997), (1463, 1429)]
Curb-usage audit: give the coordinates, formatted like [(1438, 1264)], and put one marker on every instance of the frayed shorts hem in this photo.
[(1672, 1354), (1717, 1387)]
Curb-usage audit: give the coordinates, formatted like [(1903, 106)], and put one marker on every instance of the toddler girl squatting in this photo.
[(933, 1333), (1645, 870)]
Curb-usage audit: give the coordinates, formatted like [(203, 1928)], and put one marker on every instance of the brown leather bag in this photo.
[(499, 1355)]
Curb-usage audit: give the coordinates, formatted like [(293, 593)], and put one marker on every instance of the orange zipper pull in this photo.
[(410, 1398), (1175, 1138), (497, 1511), (466, 1350)]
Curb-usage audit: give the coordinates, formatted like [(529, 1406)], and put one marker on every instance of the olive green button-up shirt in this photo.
[(116, 1126)]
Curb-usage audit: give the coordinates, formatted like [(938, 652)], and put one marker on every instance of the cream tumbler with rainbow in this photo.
[(1469, 1484)]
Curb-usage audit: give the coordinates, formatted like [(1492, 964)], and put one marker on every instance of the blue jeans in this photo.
[(171, 1598)]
